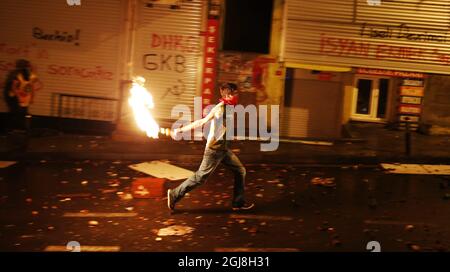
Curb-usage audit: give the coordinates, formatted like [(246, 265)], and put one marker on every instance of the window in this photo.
[(247, 25)]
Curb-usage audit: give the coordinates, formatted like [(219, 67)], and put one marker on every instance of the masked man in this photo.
[(217, 151)]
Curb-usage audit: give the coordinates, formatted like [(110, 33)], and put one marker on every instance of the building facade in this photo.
[(373, 62), (85, 55)]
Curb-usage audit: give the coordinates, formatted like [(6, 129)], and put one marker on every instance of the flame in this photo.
[(141, 101)]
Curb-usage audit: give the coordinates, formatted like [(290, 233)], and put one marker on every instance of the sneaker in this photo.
[(244, 207), (170, 200)]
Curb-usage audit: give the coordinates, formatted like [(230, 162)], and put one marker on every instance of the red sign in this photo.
[(409, 109), (411, 91), (391, 73), (209, 64)]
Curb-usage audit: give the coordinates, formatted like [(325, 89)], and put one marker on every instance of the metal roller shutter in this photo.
[(314, 109), (401, 35), (167, 52)]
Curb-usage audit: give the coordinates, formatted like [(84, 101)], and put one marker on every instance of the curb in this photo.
[(246, 158)]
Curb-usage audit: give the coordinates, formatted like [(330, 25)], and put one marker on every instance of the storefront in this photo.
[(75, 51), (381, 56), (85, 54)]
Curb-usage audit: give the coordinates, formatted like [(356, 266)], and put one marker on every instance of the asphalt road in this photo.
[(45, 205)]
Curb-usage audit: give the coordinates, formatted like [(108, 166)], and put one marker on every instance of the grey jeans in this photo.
[(211, 159)]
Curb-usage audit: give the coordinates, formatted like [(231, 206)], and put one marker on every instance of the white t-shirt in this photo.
[(217, 129)]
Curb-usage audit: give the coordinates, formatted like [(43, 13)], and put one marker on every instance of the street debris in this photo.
[(414, 169), (81, 195), (123, 196), (111, 174), (107, 191), (175, 230), (409, 227), (326, 182), (93, 223), (5, 164), (161, 169), (124, 178), (169, 222), (413, 247), (253, 230), (148, 187)]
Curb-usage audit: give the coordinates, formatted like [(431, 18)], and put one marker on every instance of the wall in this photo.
[(313, 105), (74, 50), (436, 105), (252, 74), (348, 81)]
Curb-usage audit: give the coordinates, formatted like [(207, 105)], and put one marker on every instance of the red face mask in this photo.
[(230, 101)]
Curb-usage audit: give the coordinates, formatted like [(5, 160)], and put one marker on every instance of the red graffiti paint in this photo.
[(335, 46), (182, 43), (97, 72), (343, 47)]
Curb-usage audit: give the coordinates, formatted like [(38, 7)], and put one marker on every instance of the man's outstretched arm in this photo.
[(200, 122)]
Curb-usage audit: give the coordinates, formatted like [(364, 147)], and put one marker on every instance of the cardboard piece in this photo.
[(161, 169)]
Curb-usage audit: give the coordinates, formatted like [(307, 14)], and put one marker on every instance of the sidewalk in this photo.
[(369, 144)]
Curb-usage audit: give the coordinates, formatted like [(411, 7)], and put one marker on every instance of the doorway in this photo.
[(370, 99)]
